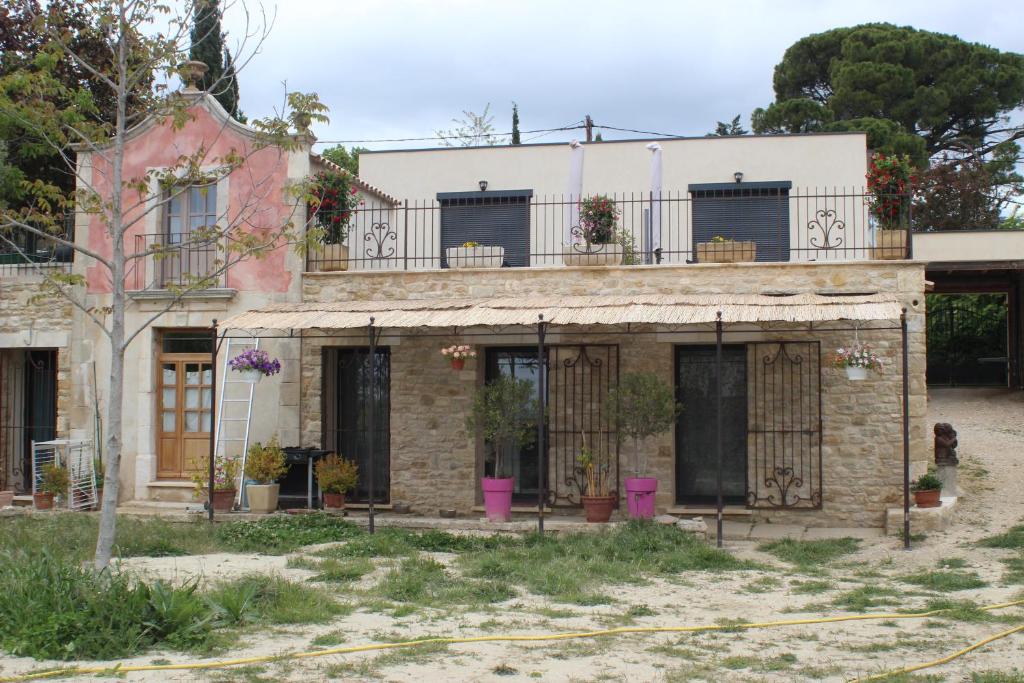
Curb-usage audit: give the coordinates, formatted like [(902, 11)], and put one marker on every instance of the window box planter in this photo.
[(475, 257), (333, 258), (736, 251), (890, 245), (592, 255)]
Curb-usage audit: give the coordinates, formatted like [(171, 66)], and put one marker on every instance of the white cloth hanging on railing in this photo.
[(574, 191), (655, 234)]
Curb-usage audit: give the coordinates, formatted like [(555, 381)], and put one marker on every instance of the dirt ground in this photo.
[(991, 432)]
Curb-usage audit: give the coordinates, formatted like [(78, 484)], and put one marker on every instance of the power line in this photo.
[(642, 132), (445, 137)]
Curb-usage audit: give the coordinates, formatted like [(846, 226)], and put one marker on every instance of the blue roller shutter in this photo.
[(491, 218), (744, 211)]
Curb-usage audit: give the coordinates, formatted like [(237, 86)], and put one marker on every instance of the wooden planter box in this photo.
[(475, 257), (727, 252), (890, 245), (599, 255), (333, 258)]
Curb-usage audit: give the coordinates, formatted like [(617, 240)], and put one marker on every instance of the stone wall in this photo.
[(435, 463)]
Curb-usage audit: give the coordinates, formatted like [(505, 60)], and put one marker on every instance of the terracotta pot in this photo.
[(598, 508), (223, 500), (928, 499), (43, 501), (334, 501), (262, 497), (890, 245), (458, 363)]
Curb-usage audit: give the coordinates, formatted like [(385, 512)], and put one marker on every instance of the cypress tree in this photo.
[(208, 47), (229, 97), (515, 124)]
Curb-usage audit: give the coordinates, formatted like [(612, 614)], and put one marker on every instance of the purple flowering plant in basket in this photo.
[(255, 359)]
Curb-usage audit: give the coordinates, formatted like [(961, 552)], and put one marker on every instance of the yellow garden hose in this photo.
[(119, 669)]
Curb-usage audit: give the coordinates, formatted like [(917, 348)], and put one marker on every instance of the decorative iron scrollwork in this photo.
[(826, 221), (379, 235), (581, 245)]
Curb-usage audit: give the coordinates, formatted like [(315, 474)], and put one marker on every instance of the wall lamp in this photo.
[(738, 175), (483, 185)]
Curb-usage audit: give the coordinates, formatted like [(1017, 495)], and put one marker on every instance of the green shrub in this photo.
[(265, 464), (807, 554), (273, 600), (278, 534), (1014, 538), (927, 482)]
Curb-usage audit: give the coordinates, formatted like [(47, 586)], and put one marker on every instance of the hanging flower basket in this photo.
[(254, 364), (857, 361), (458, 353)]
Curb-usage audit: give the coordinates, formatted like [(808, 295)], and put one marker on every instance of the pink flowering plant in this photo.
[(598, 218), (857, 356), (457, 351), (335, 198), (225, 476), (255, 359)]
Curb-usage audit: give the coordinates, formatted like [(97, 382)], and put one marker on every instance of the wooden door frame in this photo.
[(179, 387)]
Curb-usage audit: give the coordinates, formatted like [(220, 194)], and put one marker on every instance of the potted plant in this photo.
[(596, 240), (726, 250), (458, 353), (857, 360), (474, 255), (927, 491), (504, 412), (598, 502), (335, 198), (225, 476), (254, 365), (54, 482), (264, 465), (641, 406), (336, 477), (890, 178)]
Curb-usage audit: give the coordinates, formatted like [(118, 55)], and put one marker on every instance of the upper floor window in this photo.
[(191, 208), (187, 210)]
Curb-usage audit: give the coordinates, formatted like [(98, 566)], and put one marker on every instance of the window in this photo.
[(757, 212), (187, 210), (494, 219)]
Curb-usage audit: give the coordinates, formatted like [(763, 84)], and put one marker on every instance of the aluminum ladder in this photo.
[(235, 396)]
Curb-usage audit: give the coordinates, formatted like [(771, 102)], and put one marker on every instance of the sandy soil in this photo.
[(991, 431)]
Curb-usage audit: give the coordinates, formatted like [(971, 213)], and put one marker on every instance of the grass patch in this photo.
[(329, 639), (1014, 676), (1014, 538), (567, 568), (333, 570), (1014, 570), (945, 580), (273, 600), (811, 587), (809, 554), (953, 563), (958, 610), (863, 598), (279, 534), (426, 582), (391, 542), (762, 585)]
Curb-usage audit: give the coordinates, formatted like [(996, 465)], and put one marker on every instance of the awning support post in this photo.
[(371, 419), (213, 418), (542, 472), (718, 427), (906, 433)]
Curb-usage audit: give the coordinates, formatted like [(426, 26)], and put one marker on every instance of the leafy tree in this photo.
[(207, 46), (347, 159), (914, 92), (734, 127), (473, 130), (505, 412), (639, 407), (65, 116), (598, 137), (515, 124)]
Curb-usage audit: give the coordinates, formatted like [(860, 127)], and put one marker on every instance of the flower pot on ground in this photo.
[(225, 483), (641, 406), (6, 499), (335, 202), (254, 365), (42, 500), (598, 502), (54, 482), (336, 477), (725, 250), (927, 491), (473, 255), (224, 499), (504, 413), (857, 360), (264, 465)]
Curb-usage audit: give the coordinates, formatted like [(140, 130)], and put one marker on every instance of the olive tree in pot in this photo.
[(336, 477), (641, 406), (264, 465), (54, 482), (504, 412)]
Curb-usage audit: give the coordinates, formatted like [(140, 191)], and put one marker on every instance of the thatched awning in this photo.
[(654, 309)]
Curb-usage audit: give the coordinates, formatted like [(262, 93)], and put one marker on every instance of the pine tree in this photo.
[(515, 124), (208, 47)]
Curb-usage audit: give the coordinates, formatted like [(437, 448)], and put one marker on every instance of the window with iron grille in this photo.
[(189, 209)]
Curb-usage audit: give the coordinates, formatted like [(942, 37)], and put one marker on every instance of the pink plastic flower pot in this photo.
[(498, 498), (640, 496)]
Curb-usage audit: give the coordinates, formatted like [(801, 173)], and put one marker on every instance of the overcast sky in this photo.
[(405, 68)]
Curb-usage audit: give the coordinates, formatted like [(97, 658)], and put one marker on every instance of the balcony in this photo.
[(175, 262), (755, 222)]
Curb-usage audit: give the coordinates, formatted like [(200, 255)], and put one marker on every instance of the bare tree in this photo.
[(473, 130), (146, 38)]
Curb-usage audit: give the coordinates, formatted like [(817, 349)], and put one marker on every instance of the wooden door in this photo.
[(183, 414)]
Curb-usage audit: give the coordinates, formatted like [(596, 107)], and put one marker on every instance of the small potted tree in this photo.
[(264, 465), (336, 477), (225, 478), (890, 178), (641, 406), (335, 199), (254, 365), (927, 491), (597, 240), (504, 412), (54, 482), (598, 502)]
